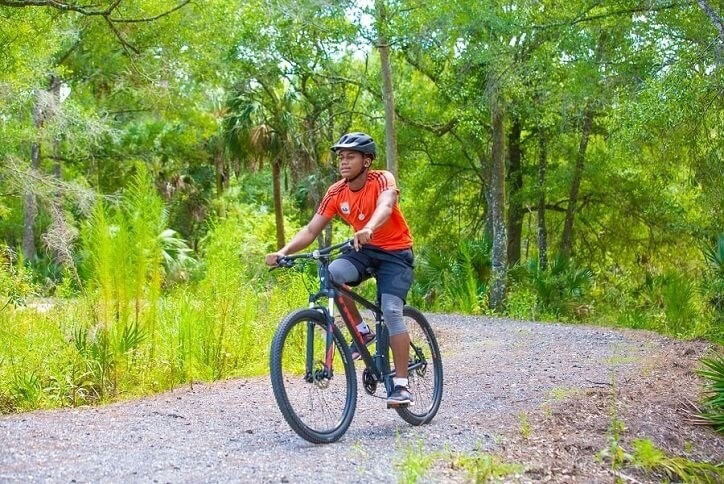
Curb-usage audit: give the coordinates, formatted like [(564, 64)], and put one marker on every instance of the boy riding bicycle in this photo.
[(367, 200)]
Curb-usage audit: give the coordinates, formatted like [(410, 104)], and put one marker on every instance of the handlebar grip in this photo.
[(284, 262)]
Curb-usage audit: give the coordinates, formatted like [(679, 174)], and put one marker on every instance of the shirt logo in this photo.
[(345, 208)]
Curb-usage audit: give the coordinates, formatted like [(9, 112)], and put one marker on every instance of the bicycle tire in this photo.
[(425, 383), (314, 410)]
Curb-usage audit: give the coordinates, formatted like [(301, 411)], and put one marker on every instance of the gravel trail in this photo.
[(538, 394)]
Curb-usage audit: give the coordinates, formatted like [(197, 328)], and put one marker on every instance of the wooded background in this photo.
[(557, 160)]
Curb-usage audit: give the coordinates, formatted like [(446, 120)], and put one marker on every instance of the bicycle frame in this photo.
[(334, 292), (373, 362), (298, 400)]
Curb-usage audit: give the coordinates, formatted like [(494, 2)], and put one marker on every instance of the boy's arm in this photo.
[(385, 203), (301, 240)]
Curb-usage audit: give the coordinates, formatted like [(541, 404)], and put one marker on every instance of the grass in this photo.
[(126, 335), (654, 462), (561, 393), (712, 410), (525, 427), (415, 463), (483, 467), (477, 466), (63, 358)]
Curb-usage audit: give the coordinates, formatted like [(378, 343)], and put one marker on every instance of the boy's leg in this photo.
[(343, 271), (399, 337), (395, 278), (400, 345)]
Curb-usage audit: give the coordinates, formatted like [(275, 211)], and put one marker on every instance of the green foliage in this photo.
[(454, 280), (414, 464), (713, 405), (482, 467), (178, 262), (615, 452), (651, 459), (671, 304), (522, 303), (16, 281), (124, 252), (478, 466), (560, 289), (217, 327), (25, 388), (677, 296), (647, 457), (524, 425), (713, 281)]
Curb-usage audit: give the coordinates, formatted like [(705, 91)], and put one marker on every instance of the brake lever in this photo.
[(284, 262)]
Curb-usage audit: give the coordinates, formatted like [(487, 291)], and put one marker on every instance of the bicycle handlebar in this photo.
[(288, 260)]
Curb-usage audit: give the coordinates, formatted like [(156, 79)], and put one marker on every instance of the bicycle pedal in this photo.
[(400, 405)]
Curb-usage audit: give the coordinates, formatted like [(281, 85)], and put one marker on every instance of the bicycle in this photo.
[(308, 352)]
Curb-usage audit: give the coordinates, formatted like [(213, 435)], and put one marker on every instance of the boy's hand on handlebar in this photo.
[(272, 259), (362, 237)]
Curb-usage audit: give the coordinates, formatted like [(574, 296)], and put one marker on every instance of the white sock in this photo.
[(399, 382), (363, 328)]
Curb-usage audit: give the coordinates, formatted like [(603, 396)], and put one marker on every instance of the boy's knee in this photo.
[(343, 271), (392, 311)]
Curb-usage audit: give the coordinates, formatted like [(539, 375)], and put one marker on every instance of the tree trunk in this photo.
[(718, 24), (31, 208), (485, 193), (497, 208), (324, 239), (45, 107), (219, 168), (515, 185), (387, 90), (278, 211), (566, 246), (542, 230), (567, 236)]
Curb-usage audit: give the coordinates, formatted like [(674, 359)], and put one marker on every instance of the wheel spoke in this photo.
[(319, 410), (425, 374)]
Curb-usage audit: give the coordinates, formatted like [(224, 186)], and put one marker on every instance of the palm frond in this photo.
[(712, 411)]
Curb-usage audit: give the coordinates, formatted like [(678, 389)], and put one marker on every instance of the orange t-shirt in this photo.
[(356, 208)]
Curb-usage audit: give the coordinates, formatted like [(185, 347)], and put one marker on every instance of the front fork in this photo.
[(327, 371)]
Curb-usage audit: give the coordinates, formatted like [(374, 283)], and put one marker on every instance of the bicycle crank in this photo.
[(369, 382)]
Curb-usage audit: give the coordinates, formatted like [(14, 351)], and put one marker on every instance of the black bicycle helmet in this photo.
[(356, 142)]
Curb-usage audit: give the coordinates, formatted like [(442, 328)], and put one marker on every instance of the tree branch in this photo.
[(123, 41), (105, 13), (67, 7), (151, 19), (627, 11)]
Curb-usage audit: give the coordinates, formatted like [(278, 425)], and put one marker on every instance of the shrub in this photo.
[(713, 406)]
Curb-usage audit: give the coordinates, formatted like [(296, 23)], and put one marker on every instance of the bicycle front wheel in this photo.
[(317, 405), (425, 370)]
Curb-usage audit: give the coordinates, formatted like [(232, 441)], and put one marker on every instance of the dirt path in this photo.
[(541, 395)]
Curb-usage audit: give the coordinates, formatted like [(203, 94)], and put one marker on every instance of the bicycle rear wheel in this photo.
[(317, 406), (425, 373)]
